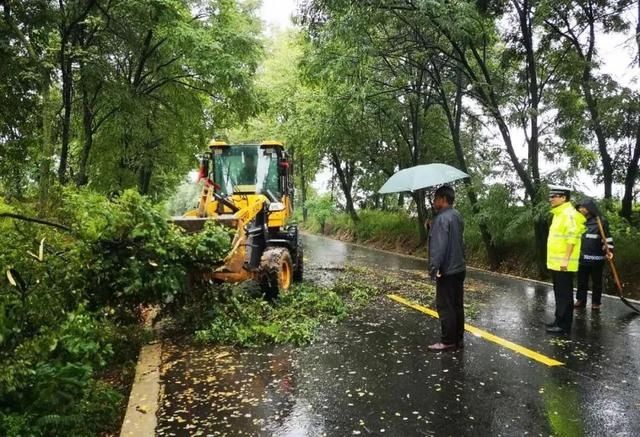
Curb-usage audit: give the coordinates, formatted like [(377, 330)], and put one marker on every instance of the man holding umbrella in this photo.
[(447, 267), (446, 247)]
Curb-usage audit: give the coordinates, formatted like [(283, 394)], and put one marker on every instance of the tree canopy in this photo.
[(115, 94)]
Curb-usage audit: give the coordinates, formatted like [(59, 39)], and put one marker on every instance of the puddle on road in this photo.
[(225, 390)]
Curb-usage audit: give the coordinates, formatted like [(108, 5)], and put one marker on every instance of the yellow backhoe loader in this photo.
[(249, 188)]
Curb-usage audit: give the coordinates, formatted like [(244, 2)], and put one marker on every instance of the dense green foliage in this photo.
[(513, 93), (70, 304), (119, 94), (245, 320), (110, 95)]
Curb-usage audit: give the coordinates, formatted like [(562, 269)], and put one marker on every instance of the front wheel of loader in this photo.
[(276, 271)]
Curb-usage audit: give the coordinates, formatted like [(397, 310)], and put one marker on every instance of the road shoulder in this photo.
[(140, 418)]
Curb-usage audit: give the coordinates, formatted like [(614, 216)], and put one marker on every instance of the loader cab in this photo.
[(250, 169)]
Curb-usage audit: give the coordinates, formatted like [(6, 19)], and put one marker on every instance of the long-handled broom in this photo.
[(612, 266)]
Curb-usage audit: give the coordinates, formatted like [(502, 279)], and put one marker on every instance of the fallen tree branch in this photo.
[(35, 220)]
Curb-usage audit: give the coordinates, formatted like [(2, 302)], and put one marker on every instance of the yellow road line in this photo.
[(483, 334)]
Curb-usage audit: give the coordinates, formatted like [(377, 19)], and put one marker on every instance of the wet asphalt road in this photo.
[(372, 374)]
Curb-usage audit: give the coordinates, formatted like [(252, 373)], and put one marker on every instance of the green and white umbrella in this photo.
[(420, 177)]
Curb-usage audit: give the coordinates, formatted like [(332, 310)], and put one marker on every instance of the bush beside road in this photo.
[(397, 231)]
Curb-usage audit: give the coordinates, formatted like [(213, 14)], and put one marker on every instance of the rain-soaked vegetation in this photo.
[(237, 315), (105, 103), (248, 320), (71, 307)]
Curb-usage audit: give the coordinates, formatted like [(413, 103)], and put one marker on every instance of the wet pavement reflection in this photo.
[(372, 374)]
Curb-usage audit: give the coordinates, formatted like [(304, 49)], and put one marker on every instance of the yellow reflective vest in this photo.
[(567, 227)]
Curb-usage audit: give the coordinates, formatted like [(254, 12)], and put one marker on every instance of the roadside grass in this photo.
[(383, 229), (397, 231)]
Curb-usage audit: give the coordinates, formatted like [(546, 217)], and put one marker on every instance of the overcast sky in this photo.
[(277, 13)]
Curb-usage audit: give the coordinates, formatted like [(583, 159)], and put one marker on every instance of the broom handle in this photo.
[(616, 278)]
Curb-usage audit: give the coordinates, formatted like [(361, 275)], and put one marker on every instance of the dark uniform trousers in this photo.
[(563, 290), (595, 272), (449, 303)]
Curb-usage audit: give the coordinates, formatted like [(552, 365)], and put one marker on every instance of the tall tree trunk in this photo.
[(524, 10), (419, 199), (454, 119), (533, 89), (67, 90), (345, 178), (630, 179), (541, 231), (47, 146), (303, 190), (68, 37), (144, 177), (605, 157), (87, 144), (638, 32)]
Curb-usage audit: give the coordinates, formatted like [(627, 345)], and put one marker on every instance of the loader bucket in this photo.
[(190, 224), (196, 224)]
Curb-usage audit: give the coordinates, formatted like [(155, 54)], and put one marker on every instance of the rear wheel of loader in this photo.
[(277, 271)]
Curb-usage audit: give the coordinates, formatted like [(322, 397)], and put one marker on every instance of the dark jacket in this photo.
[(592, 249), (446, 246)]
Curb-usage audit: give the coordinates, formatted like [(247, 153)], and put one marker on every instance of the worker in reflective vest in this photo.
[(592, 255), (563, 253)]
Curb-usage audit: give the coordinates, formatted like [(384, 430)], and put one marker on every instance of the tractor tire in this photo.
[(298, 272), (276, 271)]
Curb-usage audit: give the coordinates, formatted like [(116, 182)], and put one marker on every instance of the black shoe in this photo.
[(555, 330), (549, 324)]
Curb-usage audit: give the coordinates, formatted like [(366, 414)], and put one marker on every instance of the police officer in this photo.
[(563, 252)]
